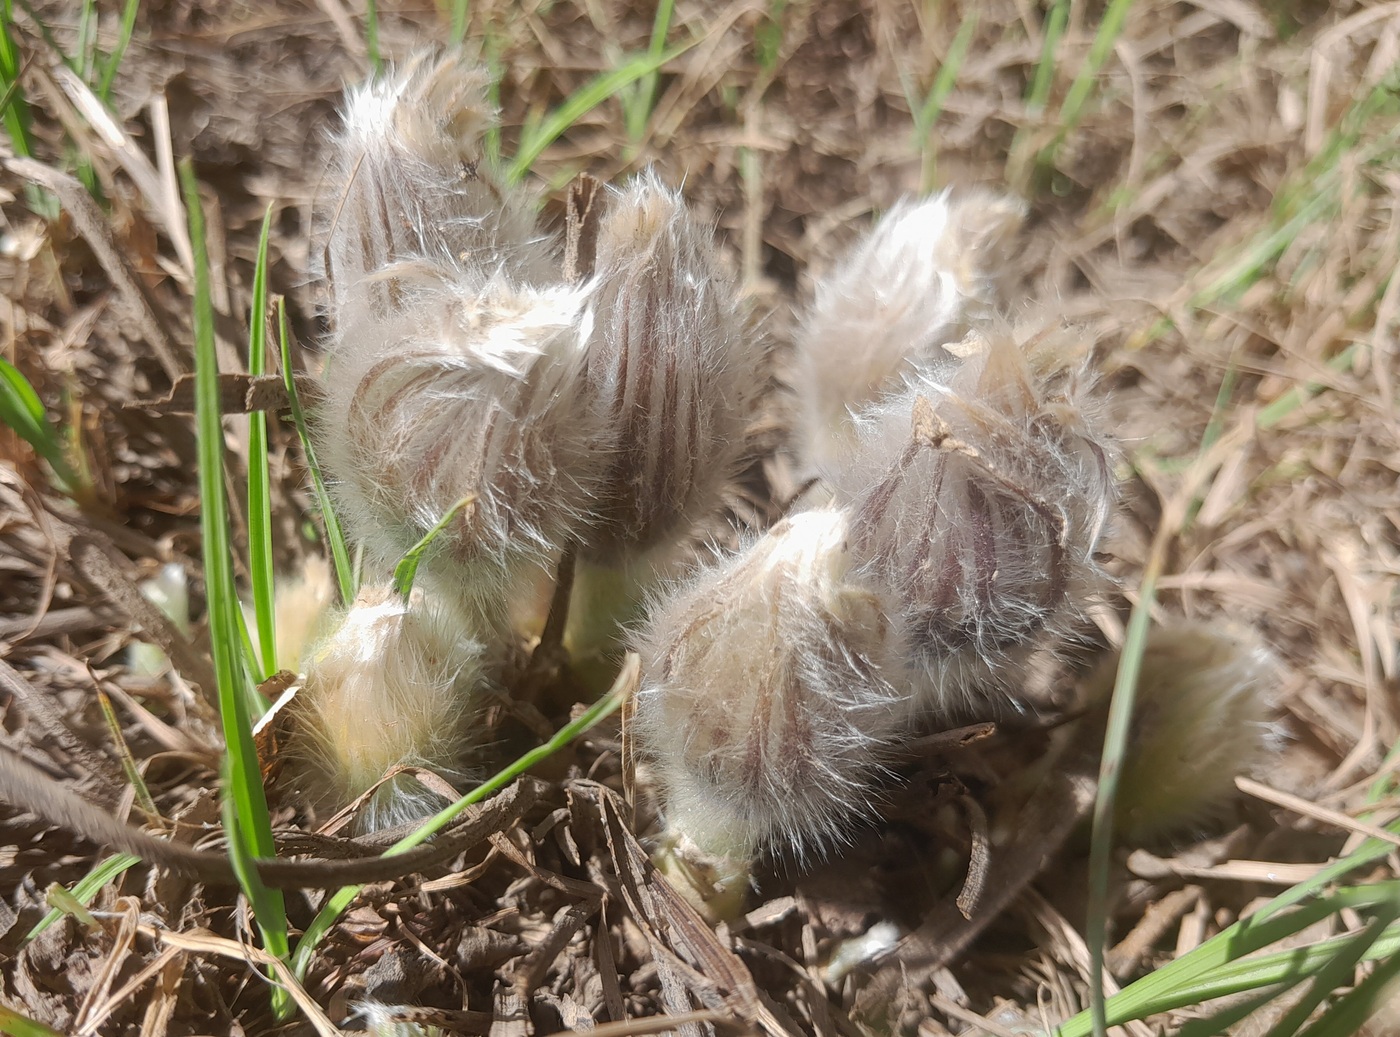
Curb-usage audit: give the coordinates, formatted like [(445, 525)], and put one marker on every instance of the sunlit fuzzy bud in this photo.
[(394, 685), (1203, 716), (900, 295), (670, 368), (977, 497), (409, 182), (766, 705), (468, 394), (301, 608)]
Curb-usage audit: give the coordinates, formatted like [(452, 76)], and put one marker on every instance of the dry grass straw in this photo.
[(1220, 221)]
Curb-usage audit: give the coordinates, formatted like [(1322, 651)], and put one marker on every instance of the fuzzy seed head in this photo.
[(766, 703), (901, 294), (670, 369), (1204, 715), (991, 491), (470, 394), (392, 686)]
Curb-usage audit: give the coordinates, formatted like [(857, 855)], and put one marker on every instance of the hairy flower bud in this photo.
[(1203, 717), (454, 363), (900, 295), (670, 369), (990, 490), (409, 183), (392, 686), (474, 394), (766, 704)]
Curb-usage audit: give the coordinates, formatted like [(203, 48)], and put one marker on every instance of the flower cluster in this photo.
[(471, 376), (965, 485), (588, 398)]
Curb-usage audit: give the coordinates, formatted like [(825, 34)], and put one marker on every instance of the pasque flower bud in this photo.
[(394, 685), (670, 368), (767, 704), (454, 363), (1203, 716), (409, 182), (475, 392), (899, 296), (977, 496)]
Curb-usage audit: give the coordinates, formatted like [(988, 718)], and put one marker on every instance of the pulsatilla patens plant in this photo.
[(966, 485), (900, 297), (453, 365), (670, 368), (991, 487), (604, 413), (768, 703)]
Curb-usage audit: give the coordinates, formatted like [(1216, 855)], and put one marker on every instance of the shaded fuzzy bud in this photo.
[(409, 182), (473, 393), (990, 489), (1203, 716), (766, 704), (670, 368), (392, 686), (899, 296)]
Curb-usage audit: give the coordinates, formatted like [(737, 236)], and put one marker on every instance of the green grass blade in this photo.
[(243, 790), (23, 411), (85, 890), (580, 103), (1038, 96), (1294, 398), (128, 761), (372, 35), (1220, 1022), (16, 110), (1373, 993), (87, 40), (335, 537), (407, 569), (114, 59), (1253, 973), (1120, 716), (342, 898), (259, 482), (1335, 974), (461, 14), (1104, 41), (768, 39), (1161, 990), (927, 115), (16, 1025), (642, 100)]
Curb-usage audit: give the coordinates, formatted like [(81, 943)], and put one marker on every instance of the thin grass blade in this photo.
[(114, 59), (335, 536), (259, 482), (407, 569), (580, 103), (23, 411), (244, 797)]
